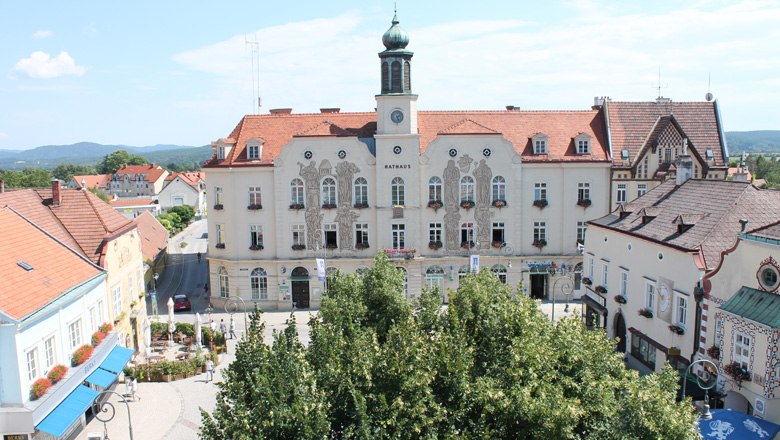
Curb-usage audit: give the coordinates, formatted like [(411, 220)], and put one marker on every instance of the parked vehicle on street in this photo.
[(181, 303)]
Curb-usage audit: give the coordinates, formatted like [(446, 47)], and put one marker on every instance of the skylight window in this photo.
[(24, 265)]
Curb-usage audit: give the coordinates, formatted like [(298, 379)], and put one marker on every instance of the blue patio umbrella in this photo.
[(728, 425)]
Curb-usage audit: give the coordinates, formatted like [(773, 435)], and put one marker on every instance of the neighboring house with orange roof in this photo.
[(52, 299), (740, 174), (184, 189), (91, 181), (132, 207), (138, 180), (91, 227), (154, 245)]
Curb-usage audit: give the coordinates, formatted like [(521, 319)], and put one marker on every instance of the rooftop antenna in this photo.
[(254, 47), (659, 86), (708, 96)]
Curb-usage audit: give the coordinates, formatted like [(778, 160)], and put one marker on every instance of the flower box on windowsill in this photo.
[(499, 203), (328, 206), (584, 202), (540, 243), (541, 203), (330, 246), (467, 204), (601, 289), (405, 253), (435, 245), (220, 246), (714, 352), (253, 207), (647, 313), (257, 247), (586, 281), (620, 299), (498, 244), (39, 388), (676, 329), (361, 246), (298, 247), (435, 204), (361, 205), (737, 372), (296, 206), (218, 207), (467, 244)]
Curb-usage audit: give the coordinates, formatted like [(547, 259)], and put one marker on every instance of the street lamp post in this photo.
[(705, 409), (104, 408), (232, 302), (154, 295)]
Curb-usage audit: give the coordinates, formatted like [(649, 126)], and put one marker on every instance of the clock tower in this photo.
[(396, 105)]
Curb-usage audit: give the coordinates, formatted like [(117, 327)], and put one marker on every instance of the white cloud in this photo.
[(3, 135), (43, 33), (42, 65)]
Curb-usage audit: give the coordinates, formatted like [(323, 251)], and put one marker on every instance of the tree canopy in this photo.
[(117, 159), (490, 365), (66, 171), (27, 178)]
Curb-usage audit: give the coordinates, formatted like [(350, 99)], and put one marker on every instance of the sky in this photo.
[(181, 72)]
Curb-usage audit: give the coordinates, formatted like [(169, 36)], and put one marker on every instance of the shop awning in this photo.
[(70, 409), (102, 378), (727, 424), (117, 359)]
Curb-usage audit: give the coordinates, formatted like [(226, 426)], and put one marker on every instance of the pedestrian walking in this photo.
[(213, 326), (232, 328), (222, 327), (209, 370), (198, 257), (134, 389)]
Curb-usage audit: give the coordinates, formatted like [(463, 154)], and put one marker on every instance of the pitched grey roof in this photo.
[(755, 305), (713, 207)]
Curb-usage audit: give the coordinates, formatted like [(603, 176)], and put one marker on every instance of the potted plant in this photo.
[(220, 246), (499, 203), (541, 203), (98, 337), (331, 246), (56, 373), (81, 354), (298, 247), (296, 206), (435, 245), (467, 244), (256, 247), (361, 205), (498, 244), (39, 388), (583, 202), (714, 352), (218, 206), (328, 206), (601, 289), (674, 328), (105, 327), (540, 243), (200, 362), (647, 313), (467, 204), (254, 206), (361, 246), (736, 371), (620, 299), (435, 204), (586, 281), (167, 368)]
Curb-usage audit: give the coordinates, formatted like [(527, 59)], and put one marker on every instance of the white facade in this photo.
[(178, 192)]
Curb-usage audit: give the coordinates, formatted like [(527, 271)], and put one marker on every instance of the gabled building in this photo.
[(187, 188), (646, 138), (138, 180), (83, 222), (91, 181), (154, 245)]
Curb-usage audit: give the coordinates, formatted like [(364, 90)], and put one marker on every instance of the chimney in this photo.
[(598, 102), (2, 186), (510, 108), (330, 110), (280, 111), (684, 165), (56, 192), (743, 222)]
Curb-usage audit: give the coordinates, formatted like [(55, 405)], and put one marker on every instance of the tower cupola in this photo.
[(395, 37), (396, 60)]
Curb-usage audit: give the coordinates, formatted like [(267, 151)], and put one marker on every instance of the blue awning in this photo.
[(102, 378), (727, 424), (70, 409), (117, 359)]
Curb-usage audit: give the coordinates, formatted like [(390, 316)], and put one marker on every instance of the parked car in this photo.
[(181, 303)]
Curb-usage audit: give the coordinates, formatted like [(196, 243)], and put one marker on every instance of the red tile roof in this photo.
[(632, 125), (154, 237), (277, 130), (190, 178), (715, 207), (93, 180), (56, 268), (152, 171), (132, 202), (81, 221)]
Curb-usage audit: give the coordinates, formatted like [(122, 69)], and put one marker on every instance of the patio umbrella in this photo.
[(198, 330), (727, 424), (170, 317), (147, 335)]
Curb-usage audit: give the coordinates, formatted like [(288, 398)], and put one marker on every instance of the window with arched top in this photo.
[(433, 276), (224, 287), (397, 191), (385, 77), (467, 189), (434, 189), (406, 280), (499, 270), (258, 282), (499, 188), (407, 77), (362, 271), (296, 192), (395, 77), (329, 191), (361, 191)]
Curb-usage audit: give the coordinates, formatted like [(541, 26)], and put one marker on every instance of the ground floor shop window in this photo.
[(643, 350)]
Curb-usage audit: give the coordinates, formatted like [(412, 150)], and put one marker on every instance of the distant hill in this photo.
[(761, 141), (89, 153)]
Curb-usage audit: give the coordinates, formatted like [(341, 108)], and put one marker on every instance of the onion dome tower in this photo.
[(396, 66)]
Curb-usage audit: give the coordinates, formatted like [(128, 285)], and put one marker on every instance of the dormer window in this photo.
[(582, 143), (221, 153), (539, 142), (254, 150), (709, 154)]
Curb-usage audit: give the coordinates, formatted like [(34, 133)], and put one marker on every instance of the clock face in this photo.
[(663, 291), (397, 116)]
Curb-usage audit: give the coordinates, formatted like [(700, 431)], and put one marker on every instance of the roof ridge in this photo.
[(97, 214), (464, 121), (57, 219)]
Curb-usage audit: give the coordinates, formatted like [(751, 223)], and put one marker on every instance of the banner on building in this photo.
[(474, 263), (321, 269)]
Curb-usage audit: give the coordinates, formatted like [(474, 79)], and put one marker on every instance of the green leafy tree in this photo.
[(116, 160), (66, 171), (185, 213), (101, 195), (490, 366), (27, 178)]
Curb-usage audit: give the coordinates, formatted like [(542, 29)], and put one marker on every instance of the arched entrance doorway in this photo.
[(300, 287), (620, 332)]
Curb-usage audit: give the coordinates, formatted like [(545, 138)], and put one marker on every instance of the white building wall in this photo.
[(178, 189)]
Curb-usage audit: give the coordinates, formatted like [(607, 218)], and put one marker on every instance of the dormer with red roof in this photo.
[(138, 180)]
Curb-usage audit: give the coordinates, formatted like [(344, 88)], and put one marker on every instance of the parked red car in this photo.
[(181, 303)]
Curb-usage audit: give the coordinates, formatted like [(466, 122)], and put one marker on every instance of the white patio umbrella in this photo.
[(170, 319), (147, 335), (198, 331)]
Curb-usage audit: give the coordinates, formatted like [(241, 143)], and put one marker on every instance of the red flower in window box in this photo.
[(361, 246), (620, 299), (98, 337), (255, 206), (435, 245), (647, 313), (296, 206), (298, 247), (714, 352), (539, 243), (467, 204), (328, 206), (257, 247), (499, 203), (81, 354), (584, 202), (105, 327), (736, 371), (498, 244), (541, 203), (361, 205), (218, 206), (56, 373), (677, 329), (435, 204), (39, 388)]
